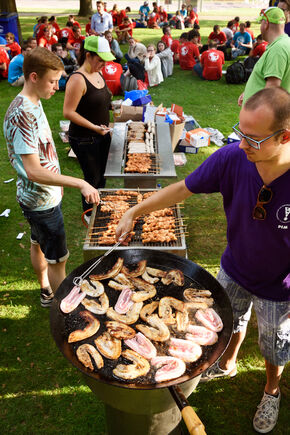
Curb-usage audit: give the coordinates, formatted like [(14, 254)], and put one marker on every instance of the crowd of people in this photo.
[(253, 177)]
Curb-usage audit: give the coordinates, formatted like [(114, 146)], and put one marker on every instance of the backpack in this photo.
[(236, 73), (128, 83), (249, 64)]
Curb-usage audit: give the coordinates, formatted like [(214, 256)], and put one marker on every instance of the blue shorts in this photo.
[(272, 317), (47, 230)]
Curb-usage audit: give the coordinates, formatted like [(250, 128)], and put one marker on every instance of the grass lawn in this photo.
[(40, 391)]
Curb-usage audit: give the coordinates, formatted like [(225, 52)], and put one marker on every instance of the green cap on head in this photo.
[(99, 45), (272, 15)]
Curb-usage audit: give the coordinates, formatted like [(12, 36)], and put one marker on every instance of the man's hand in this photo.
[(90, 193), (125, 226), (240, 99)]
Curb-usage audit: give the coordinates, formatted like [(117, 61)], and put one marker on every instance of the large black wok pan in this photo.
[(194, 275)]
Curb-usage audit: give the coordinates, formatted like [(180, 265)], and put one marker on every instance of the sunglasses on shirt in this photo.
[(252, 142), (264, 197)]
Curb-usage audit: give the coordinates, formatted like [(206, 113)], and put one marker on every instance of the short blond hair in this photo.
[(40, 60)]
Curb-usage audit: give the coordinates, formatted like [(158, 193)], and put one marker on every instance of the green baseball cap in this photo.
[(99, 45), (272, 15)]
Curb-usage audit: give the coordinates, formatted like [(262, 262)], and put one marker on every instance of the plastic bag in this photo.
[(134, 95), (142, 101), (215, 136)]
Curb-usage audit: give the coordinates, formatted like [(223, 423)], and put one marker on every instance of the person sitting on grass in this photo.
[(242, 42), (236, 24), (211, 63), (216, 36), (163, 17), (177, 21), (115, 12), (192, 17), (136, 52), (153, 66), (68, 69), (12, 47), (55, 27), (15, 70), (228, 31), (259, 47), (189, 52), (124, 31), (175, 46), (66, 33), (153, 20), (71, 19), (75, 42), (167, 38), (88, 28), (165, 55), (38, 29), (114, 46), (144, 12), (48, 39), (183, 11), (4, 64)]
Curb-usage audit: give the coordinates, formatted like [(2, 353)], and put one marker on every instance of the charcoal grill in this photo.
[(98, 220), (162, 159)]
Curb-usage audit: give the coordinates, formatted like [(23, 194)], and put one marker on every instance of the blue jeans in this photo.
[(198, 69), (92, 153), (47, 230)]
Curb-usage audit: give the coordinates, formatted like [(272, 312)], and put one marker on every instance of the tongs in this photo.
[(78, 280)]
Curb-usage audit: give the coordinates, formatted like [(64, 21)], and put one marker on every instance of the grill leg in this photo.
[(163, 423)]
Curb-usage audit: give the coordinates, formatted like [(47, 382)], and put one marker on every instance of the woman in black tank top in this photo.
[(86, 104)]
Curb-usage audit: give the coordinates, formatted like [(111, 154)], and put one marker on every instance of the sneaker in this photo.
[(267, 413), (46, 297), (216, 372)]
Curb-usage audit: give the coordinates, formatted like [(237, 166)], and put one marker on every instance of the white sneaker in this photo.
[(216, 372), (267, 413)]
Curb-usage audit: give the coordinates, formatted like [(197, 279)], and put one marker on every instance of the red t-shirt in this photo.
[(125, 26), (260, 49), (153, 20), (188, 51), (212, 61), (114, 17), (65, 33), (220, 38), (76, 43), (167, 39), (39, 31), (47, 43), (112, 72), (163, 16), (88, 29), (121, 15), (193, 17), (14, 48), (250, 32), (4, 58), (55, 27), (76, 23), (175, 46)]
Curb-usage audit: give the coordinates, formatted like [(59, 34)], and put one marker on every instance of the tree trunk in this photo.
[(10, 6), (85, 8)]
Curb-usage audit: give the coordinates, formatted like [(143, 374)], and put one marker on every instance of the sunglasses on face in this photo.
[(264, 197), (252, 142)]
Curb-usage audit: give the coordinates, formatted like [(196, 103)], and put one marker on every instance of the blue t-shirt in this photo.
[(257, 253), (15, 69), (26, 131), (3, 41), (242, 38), (144, 10)]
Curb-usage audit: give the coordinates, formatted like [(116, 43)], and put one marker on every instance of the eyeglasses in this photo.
[(252, 142), (264, 197)]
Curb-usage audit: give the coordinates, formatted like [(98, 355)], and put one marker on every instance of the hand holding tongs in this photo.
[(79, 279)]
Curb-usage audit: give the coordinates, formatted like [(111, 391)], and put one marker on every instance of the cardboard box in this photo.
[(129, 113), (184, 147), (198, 137), (175, 133)]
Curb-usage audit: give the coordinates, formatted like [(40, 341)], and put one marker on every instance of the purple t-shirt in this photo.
[(257, 255)]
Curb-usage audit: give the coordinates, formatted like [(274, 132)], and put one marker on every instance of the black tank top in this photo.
[(94, 106)]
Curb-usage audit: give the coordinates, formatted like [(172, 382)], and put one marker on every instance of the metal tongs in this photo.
[(78, 280)]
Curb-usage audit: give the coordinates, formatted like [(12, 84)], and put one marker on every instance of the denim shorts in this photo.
[(47, 230), (272, 317)]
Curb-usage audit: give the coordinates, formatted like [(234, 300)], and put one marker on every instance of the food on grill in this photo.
[(210, 319), (120, 330), (162, 236), (201, 335), (186, 350), (116, 285), (156, 272), (115, 206), (85, 351), (72, 300), (195, 305), (190, 294), (108, 345), (138, 162), (130, 317), (182, 320), (142, 345), (140, 366), (157, 330), (92, 327), (97, 307), (148, 309), (168, 368), (124, 302), (111, 273), (165, 309), (149, 278), (123, 279), (146, 290), (207, 301), (175, 276), (141, 267), (96, 290)]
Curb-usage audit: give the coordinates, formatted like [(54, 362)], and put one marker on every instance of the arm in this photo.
[(38, 174), (149, 66), (75, 89), (166, 197)]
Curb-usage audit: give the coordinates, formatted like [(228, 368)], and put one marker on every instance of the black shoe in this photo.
[(46, 297)]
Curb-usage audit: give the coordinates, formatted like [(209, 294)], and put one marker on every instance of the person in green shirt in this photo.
[(273, 68)]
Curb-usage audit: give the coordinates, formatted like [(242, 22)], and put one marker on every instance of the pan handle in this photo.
[(190, 418)]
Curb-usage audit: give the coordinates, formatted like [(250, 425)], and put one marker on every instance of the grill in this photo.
[(92, 248), (162, 165)]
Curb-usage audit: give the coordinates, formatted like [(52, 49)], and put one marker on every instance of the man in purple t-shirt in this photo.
[(253, 178)]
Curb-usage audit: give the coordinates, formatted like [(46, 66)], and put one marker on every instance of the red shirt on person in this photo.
[(39, 31), (47, 43), (112, 72), (167, 39), (152, 22), (4, 58), (66, 32), (175, 46), (259, 49), (188, 51), (120, 17), (193, 17), (88, 29), (15, 48), (76, 23), (220, 38), (55, 27), (248, 29), (212, 61), (76, 42), (163, 16), (125, 26)]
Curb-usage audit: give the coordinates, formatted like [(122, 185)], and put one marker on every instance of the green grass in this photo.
[(40, 391)]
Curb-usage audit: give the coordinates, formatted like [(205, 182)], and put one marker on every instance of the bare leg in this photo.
[(39, 265), (56, 274), (228, 360), (273, 377)]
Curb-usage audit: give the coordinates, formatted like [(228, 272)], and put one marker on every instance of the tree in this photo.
[(10, 6), (85, 8)]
